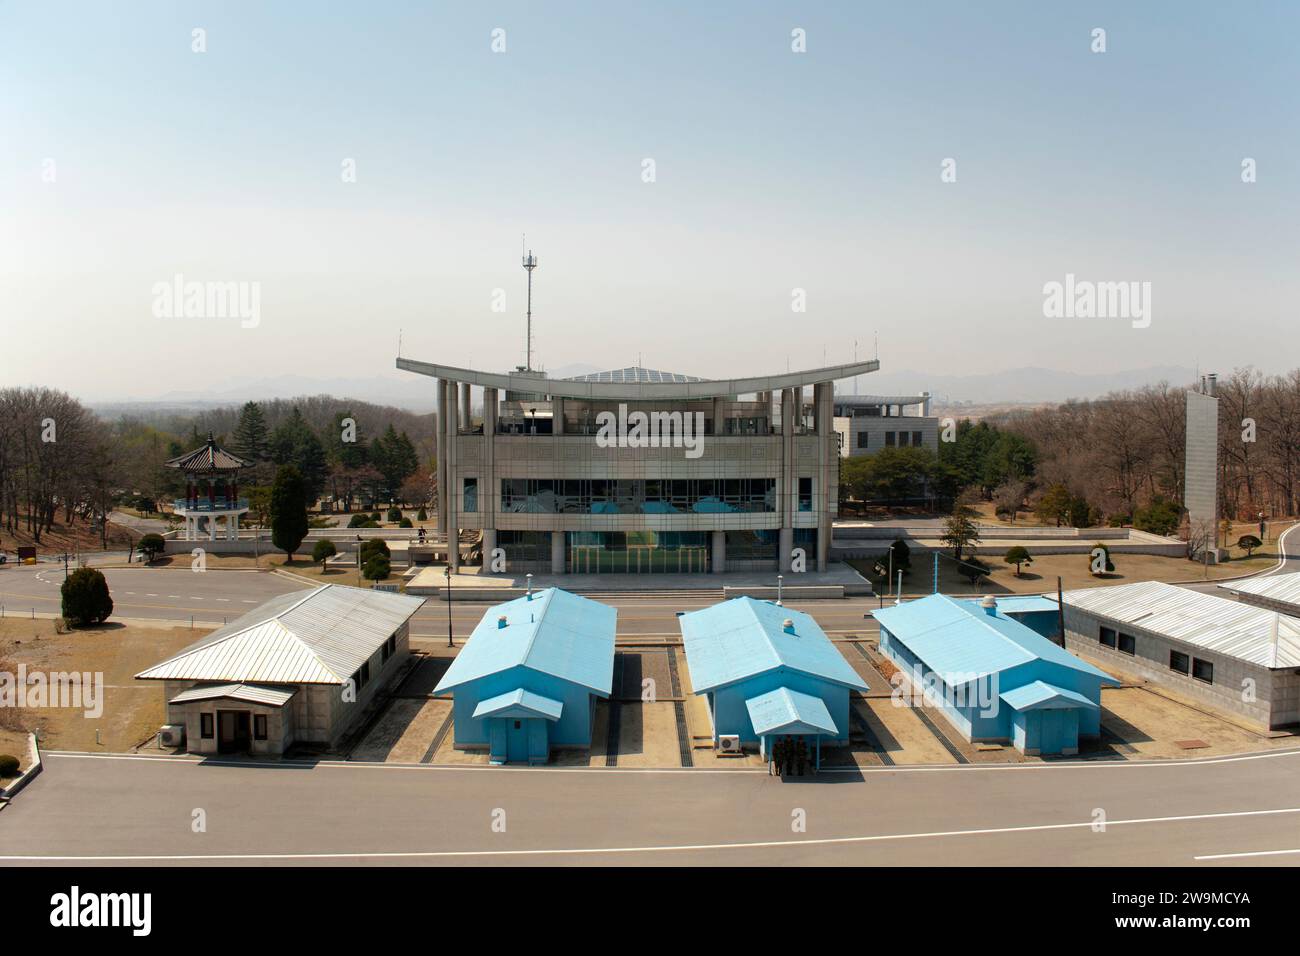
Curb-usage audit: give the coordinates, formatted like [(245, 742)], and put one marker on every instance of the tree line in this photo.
[(61, 464), (1115, 460)]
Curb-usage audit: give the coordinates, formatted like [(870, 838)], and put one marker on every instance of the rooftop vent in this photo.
[(501, 622), (788, 626), (990, 605)]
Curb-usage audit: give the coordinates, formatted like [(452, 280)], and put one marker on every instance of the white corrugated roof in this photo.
[(1203, 620), (251, 693), (318, 637), (1275, 587)]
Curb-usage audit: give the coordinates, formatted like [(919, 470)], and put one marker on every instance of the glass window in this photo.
[(1178, 661), (1203, 670), (259, 726), (205, 726), (1107, 637), (890, 438), (1127, 644), (471, 495), (916, 439), (864, 439), (805, 494)]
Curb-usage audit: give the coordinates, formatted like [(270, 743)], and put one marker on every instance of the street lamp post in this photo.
[(447, 574), (780, 578)]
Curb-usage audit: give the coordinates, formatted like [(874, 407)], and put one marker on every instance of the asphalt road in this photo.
[(214, 596), (153, 593), (105, 810)]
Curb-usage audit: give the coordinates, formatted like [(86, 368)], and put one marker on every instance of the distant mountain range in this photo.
[(1017, 385), (416, 393)]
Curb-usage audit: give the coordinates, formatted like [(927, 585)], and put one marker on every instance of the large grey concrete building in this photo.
[(637, 471), (867, 423)]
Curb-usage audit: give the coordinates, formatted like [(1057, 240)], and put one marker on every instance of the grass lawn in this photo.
[(132, 710), (1072, 568)]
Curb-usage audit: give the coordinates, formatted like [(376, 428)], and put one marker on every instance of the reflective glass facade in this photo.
[(634, 497)]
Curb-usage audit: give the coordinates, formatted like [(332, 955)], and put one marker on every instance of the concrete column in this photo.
[(557, 552), (788, 486), (464, 406), (719, 552), (557, 415), (453, 491), (823, 506), (488, 495), (784, 546), (440, 452)]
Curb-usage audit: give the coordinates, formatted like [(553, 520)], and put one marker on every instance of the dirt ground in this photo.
[(1152, 725), (132, 710), (405, 731), (75, 537)]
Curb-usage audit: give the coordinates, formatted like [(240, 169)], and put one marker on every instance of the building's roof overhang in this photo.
[(539, 383)]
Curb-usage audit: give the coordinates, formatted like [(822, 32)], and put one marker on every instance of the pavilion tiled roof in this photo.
[(208, 457)]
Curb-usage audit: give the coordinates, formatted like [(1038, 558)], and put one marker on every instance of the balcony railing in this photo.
[(216, 504)]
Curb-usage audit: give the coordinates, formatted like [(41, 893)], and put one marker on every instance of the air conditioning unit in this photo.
[(729, 743), (171, 735)]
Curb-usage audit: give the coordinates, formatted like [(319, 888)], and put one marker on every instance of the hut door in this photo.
[(517, 740), (233, 731)]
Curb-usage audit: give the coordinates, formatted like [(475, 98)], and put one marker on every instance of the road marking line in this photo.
[(1233, 856), (696, 771), (669, 848)]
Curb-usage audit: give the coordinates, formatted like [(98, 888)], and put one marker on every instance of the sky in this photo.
[(128, 159)]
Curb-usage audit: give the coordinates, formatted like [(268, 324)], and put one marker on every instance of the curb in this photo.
[(32, 772)]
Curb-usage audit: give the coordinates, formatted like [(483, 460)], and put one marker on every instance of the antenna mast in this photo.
[(530, 263)]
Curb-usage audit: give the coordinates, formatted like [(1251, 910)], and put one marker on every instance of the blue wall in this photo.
[(573, 729), (731, 716), (969, 718)]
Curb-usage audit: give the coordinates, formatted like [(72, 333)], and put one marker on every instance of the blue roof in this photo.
[(555, 633), (742, 637), (1023, 604), (1040, 695), (958, 637), (519, 703), (785, 711)]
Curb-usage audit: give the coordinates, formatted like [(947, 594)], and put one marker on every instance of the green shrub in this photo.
[(85, 597), (972, 569), (322, 551), (423, 515), (377, 568), (394, 514), (1106, 565), (1248, 543), (150, 546), (8, 765), (405, 523), (1018, 555), (374, 546), (359, 520), (374, 516), (1161, 517)]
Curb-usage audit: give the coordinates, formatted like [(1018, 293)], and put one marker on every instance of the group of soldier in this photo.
[(789, 756)]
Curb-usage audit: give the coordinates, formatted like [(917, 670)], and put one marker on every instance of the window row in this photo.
[(1201, 670), (634, 496)]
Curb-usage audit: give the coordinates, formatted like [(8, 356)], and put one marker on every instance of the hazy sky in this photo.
[(774, 171)]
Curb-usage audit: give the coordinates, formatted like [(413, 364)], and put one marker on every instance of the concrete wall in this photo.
[(316, 714), (1277, 693), (874, 429), (1200, 496)]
